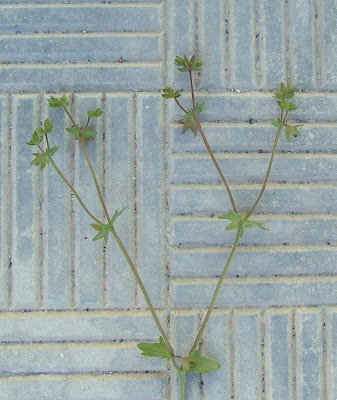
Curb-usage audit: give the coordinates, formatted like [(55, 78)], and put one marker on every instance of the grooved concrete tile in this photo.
[(73, 303)]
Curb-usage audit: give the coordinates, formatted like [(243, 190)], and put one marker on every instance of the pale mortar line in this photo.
[(222, 6), (264, 217), (328, 350), (243, 124), (234, 384), (164, 11), (68, 345), (6, 209), (71, 247), (318, 49), (253, 186), (267, 356), (261, 338), (39, 211), (229, 42), (77, 313), (83, 377), (242, 249), (322, 353), (236, 155), (76, 270), (130, 64), (221, 94), (134, 194), (61, 35), (253, 280), (80, 5), (296, 356), (292, 354), (101, 176), (288, 42)]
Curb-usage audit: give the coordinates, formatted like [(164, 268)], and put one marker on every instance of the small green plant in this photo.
[(238, 220)]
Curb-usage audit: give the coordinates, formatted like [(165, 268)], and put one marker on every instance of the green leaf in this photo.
[(35, 139), (42, 159), (189, 124), (169, 93), (237, 218), (158, 349), (291, 130), (88, 133), (285, 92), (48, 126), (75, 131), (277, 123), (116, 215), (185, 64), (94, 113), (191, 112), (103, 231), (56, 103), (203, 365)]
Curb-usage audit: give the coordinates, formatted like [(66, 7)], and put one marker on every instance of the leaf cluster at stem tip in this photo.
[(283, 94), (188, 64), (169, 93), (239, 221), (188, 121)]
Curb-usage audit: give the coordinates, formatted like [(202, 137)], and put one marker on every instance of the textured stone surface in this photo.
[(71, 312)]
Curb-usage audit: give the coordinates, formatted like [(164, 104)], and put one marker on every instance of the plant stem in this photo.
[(99, 192), (208, 147), (182, 380), (192, 88), (179, 105), (125, 253), (69, 115), (72, 189), (277, 137), (142, 287), (217, 290)]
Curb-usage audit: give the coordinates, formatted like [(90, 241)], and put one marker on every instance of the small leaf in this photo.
[(189, 124), (48, 126), (94, 113), (116, 215), (35, 139), (185, 64), (42, 159), (277, 123), (284, 92), (88, 133), (75, 131), (56, 103), (203, 365), (291, 130), (155, 349), (195, 110), (236, 218), (169, 93), (103, 231)]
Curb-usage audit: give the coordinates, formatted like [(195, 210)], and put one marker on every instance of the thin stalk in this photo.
[(192, 88), (216, 291), (277, 137), (72, 189), (182, 380), (208, 147), (142, 287), (179, 105), (86, 125), (69, 115), (125, 252), (98, 189)]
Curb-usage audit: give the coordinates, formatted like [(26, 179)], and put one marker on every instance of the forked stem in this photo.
[(217, 290)]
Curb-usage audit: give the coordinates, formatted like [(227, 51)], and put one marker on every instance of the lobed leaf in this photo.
[(94, 113), (54, 102), (155, 349)]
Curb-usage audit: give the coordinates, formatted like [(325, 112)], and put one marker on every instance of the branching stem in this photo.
[(216, 291)]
